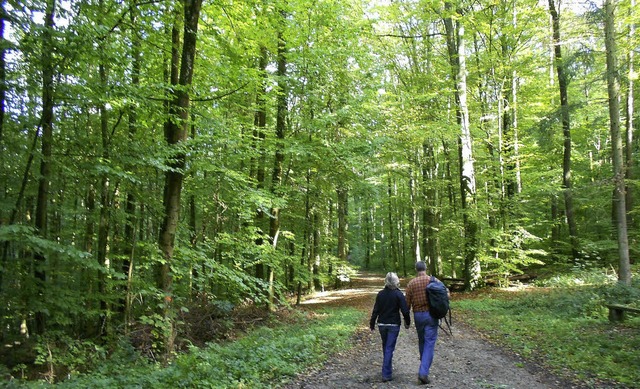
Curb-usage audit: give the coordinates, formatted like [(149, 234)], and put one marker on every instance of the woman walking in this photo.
[(386, 311)]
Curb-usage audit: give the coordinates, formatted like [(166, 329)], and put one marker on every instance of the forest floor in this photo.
[(464, 360)]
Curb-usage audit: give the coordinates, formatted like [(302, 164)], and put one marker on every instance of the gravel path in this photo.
[(463, 360)]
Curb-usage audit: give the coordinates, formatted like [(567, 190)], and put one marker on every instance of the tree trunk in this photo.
[(45, 164), (103, 222), (402, 235), (343, 226), (393, 235), (369, 223), (456, 49), (415, 223), (306, 248), (566, 130), (130, 207), (258, 162), (315, 254), (175, 133), (516, 150), (613, 89), (631, 222), (431, 215), (3, 80), (276, 177), (510, 122)]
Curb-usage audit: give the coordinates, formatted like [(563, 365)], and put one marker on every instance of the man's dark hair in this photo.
[(421, 266)]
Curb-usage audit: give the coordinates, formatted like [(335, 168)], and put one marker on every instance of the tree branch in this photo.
[(221, 96), (409, 36)]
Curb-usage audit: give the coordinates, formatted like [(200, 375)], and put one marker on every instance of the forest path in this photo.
[(463, 360)]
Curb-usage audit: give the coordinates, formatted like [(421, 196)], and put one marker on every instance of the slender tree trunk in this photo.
[(368, 233), (343, 210), (402, 235), (258, 162), (432, 214), (631, 221), (307, 239), (315, 255), (415, 223), (276, 177), (393, 238), (456, 48), (175, 133), (508, 145), (566, 130), (451, 195), (427, 183), (3, 80), (343, 198), (613, 89), (130, 207), (45, 164), (494, 188), (193, 227), (172, 136), (510, 122), (14, 212), (103, 223), (553, 198), (516, 146)]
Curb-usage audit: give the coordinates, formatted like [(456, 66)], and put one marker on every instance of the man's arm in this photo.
[(409, 296)]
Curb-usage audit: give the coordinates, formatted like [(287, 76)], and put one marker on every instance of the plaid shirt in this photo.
[(417, 295)]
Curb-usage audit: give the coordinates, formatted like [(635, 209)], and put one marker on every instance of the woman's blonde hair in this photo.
[(392, 280)]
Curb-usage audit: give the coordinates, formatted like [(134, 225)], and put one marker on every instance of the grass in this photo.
[(564, 327), (264, 358)]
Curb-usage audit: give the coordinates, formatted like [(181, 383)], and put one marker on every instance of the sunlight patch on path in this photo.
[(360, 290), (333, 295)]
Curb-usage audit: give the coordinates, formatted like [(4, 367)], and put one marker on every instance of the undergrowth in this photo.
[(564, 325), (264, 358)]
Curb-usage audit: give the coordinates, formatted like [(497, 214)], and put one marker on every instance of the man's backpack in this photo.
[(438, 297)]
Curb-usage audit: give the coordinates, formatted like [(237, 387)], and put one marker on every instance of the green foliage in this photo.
[(511, 252), (368, 111), (264, 358), (567, 324), (66, 355)]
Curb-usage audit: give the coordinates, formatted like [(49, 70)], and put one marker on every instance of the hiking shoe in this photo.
[(424, 380), (386, 379)]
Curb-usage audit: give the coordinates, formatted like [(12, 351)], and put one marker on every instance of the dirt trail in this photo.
[(463, 360)]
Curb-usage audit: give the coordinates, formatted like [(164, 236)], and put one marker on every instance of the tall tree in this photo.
[(430, 210), (46, 124), (105, 207), (281, 116), (613, 89), (176, 131), (629, 123), (467, 177), (566, 129), (3, 72), (130, 206)]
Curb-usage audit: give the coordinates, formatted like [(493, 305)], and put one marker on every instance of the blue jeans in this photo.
[(427, 328), (389, 335)]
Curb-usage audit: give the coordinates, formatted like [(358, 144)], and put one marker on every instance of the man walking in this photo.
[(426, 325)]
